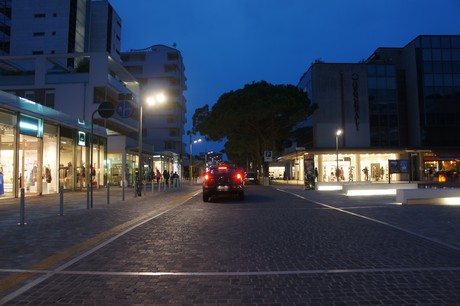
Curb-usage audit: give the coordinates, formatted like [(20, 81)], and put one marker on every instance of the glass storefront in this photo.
[(115, 166), (353, 167), (50, 154), (7, 153), (41, 157), (66, 161), (29, 168)]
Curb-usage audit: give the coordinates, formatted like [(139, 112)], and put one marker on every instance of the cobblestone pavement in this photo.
[(282, 245)]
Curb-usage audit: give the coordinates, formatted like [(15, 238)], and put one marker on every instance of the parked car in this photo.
[(251, 178), (224, 180)]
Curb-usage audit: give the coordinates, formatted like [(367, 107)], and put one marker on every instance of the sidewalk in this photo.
[(46, 232)]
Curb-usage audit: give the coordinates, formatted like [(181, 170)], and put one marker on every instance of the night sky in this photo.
[(229, 43)]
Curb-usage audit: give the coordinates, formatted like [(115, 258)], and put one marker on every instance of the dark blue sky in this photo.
[(229, 43)]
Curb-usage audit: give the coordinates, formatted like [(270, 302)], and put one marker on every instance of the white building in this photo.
[(160, 69)]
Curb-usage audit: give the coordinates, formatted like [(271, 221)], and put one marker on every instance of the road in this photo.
[(281, 245)]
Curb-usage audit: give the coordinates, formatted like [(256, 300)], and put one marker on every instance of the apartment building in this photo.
[(160, 69)]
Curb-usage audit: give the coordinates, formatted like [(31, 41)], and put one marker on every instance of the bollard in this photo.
[(108, 193), (22, 208), (135, 188), (153, 185), (61, 201), (87, 197), (123, 191)]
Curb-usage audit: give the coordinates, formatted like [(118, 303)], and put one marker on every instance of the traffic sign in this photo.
[(268, 156), (105, 109), (124, 109)]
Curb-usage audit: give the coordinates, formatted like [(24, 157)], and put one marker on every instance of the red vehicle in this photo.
[(224, 180)]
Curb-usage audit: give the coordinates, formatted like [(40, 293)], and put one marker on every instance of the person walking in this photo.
[(158, 176), (366, 174), (175, 178), (166, 177)]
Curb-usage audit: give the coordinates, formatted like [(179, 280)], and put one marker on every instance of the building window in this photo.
[(37, 52), (173, 56), (171, 119), (49, 99), (29, 95), (170, 67), (133, 57), (135, 69), (170, 145), (173, 132), (39, 34), (40, 15)]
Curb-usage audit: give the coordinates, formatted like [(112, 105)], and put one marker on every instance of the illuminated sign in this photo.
[(31, 126), (81, 138), (398, 166)]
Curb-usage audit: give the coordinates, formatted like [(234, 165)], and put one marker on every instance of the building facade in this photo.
[(160, 69), (401, 104), (66, 55), (43, 150)]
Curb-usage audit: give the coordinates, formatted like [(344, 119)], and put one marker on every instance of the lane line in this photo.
[(248, 273), (103, 239), (373, 220)]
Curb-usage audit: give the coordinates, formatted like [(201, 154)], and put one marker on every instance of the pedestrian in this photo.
[(175, 178), (316, 174), (366, 173), (166, 177), (151, 175), (158, 176)]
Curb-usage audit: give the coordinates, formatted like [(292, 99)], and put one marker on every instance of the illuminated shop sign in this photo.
[(81, 138), (31, 126)]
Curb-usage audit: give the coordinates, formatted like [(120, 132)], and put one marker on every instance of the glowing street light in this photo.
[(337, 134), (151, 101), (190, 167)]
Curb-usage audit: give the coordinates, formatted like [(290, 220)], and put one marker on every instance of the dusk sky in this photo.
[(229, 43)]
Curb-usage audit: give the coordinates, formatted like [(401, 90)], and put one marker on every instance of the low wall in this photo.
[(375, 188), (428, 196)]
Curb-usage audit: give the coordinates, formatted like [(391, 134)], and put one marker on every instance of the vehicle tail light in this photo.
[(239, 176), (207, 177)]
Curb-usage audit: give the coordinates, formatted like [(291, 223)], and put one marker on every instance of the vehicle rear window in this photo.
[(221, 169)]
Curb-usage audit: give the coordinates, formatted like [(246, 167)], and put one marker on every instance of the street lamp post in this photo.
[(159, 98), (190, 168), (337, 134)]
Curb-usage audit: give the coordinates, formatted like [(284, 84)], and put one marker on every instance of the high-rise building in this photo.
[(5, 28), (48, 27)]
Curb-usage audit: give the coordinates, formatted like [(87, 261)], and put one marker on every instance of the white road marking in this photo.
[(372, 219)]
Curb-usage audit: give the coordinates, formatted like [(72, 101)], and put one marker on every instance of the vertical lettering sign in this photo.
[(355, 78)]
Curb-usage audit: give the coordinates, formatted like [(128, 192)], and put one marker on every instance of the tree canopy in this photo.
[(259, 117)]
